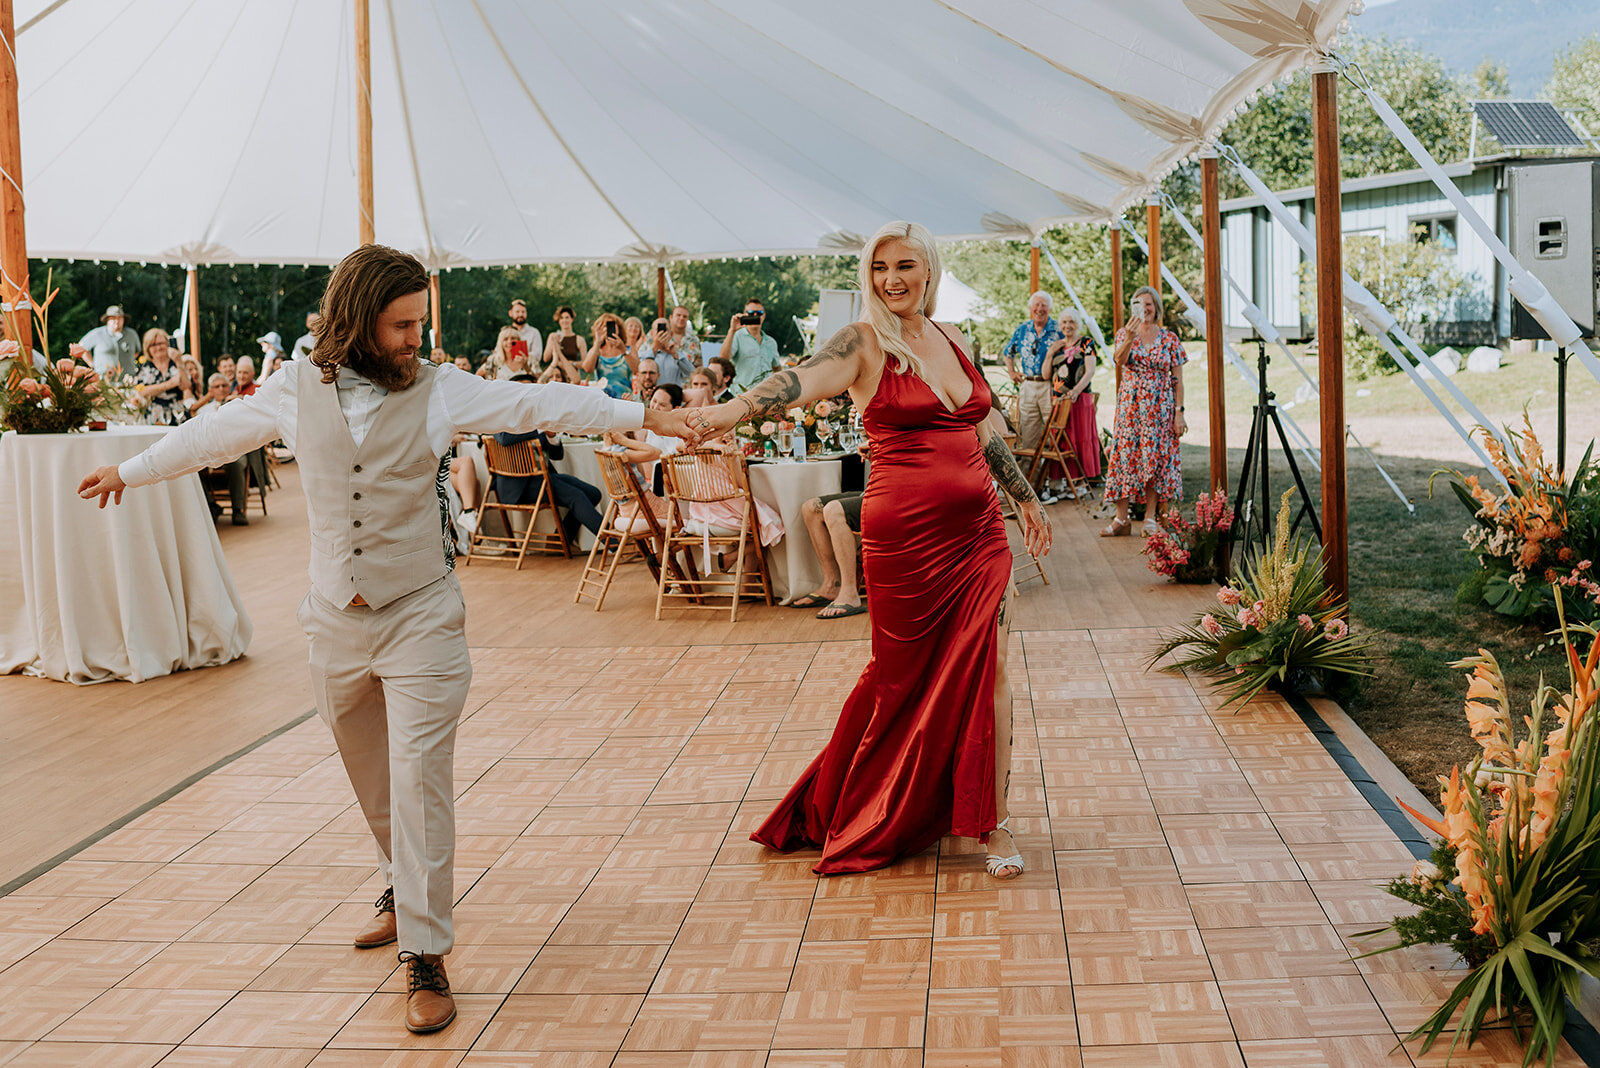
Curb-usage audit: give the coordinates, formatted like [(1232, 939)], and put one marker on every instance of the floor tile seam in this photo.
[(175, 1044)]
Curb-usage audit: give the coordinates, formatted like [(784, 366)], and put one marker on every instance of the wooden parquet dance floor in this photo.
[(1194, 876)]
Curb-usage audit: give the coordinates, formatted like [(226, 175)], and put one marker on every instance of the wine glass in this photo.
[(785, 441)]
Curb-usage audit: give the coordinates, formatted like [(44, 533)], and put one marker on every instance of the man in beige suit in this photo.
[(370, 424)]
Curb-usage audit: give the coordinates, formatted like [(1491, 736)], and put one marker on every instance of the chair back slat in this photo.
[(523, 460), (704, 476), (1060, 413), (619, 480)]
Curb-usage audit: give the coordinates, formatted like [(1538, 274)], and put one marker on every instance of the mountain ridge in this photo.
[(1524, 35)]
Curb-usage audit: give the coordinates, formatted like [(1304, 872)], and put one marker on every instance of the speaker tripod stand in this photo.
[(1253, 505)]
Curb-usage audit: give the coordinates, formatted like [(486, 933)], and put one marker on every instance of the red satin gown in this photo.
[(912, 757)]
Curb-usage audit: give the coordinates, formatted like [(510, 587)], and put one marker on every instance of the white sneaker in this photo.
[(468, 520), (1048, 497)]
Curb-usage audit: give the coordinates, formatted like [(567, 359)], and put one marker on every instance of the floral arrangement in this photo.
[(52, 398), (1279, 620), (1542, 533), (821, 421), (1185, 551), (1511, 884)]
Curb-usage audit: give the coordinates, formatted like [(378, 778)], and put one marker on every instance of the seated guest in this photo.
[(225, 368), (645, 380), (232, 474), (833, 522), (468, 472), (464, 363), (194, 384), (725, 373), (244, 377), (158, 380), (573, 496), (1072, 377), (510, 356), (724, 517), (702, 389)]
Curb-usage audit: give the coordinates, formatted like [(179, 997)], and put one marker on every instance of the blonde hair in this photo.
[(885, 323), (1155, 300)]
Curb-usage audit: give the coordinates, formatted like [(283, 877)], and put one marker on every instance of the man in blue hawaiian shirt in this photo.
[(1030, 347)]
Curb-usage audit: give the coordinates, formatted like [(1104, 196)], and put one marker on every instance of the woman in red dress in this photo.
[(923, 745)]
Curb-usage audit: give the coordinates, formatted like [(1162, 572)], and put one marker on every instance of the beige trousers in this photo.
[(1033, 412), (391, 683)]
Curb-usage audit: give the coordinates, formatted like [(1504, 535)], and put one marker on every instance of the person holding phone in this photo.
[(510, 356), (674, 365), (608, 358), (754, 354)]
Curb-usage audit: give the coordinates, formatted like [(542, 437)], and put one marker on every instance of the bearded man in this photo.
[(370, 425)]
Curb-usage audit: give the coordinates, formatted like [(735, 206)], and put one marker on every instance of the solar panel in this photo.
[(1526, 124)]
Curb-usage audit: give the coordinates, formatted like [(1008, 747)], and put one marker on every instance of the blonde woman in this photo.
[(1149, 421), (158, 380), (923, 745), (633, 337), (510, 355)]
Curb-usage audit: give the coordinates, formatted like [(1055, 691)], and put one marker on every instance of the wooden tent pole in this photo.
[(1211, 233), (13, 231), (1117, 310), (192, 328), (1330, 324), (1152, 215), (435, 308), (661, 291), (1033, 270), (364, 121)]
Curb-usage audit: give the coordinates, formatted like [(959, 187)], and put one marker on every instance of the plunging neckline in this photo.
[(972, 387)]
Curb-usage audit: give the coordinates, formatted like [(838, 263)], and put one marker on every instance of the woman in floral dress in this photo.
[(159, 381), (1149, 421)]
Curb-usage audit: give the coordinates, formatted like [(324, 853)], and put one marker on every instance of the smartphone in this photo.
[(517, 348), (611, 329)]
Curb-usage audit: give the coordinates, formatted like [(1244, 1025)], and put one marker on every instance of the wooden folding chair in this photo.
[(1025, 567), (706, 476), (522, 460), (632, 520), (255, 482), (1053, 447)]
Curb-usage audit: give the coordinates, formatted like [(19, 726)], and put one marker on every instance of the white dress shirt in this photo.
[(460, 402)]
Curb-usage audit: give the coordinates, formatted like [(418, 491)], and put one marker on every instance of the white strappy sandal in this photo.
[(996, 865)]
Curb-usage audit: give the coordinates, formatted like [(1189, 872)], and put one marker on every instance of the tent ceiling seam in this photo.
[(411, 137)]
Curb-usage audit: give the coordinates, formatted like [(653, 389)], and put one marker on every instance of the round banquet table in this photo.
[(134, 591), (792, 562)]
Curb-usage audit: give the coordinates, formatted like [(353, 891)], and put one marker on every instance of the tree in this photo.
[(1491, 81), (1575, 81)]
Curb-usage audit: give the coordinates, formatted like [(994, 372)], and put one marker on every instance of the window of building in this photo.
[(1437, 230)]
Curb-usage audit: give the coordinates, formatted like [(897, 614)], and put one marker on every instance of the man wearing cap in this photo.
[(113, 348), (528, 333)]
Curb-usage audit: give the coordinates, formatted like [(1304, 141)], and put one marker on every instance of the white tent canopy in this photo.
[(523, 131)]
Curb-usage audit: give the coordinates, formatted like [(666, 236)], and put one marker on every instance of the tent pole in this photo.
[(13, 232), (435, 307), (1330, 323), (1212, 222), (1116, 275), (194, 316), (364, 120), (1152, 233), (661, 291), (1033, 269)]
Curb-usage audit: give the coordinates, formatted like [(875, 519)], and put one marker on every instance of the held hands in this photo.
[(103, 482), (1036, 532), (684, 423)]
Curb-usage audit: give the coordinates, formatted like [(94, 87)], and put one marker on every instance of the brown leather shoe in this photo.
[(429, 1005), (381, 930)]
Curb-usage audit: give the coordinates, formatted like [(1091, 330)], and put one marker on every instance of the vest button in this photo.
[(358, 469), (358, 522), (358, 552), (357, 496)]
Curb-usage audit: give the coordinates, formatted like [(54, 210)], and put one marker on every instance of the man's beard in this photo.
[(394, 373), (519, 322)]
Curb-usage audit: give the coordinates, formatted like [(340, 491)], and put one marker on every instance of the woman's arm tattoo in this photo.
[(778, 393), (1005, 470)]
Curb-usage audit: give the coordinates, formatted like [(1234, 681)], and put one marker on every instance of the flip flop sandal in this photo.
[(849, 610), (810, 600)]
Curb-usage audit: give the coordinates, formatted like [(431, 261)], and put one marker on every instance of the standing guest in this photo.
[(754, 354), (678, 352), (659, 346), (244, 377), (276, 364), (1149, 421), (510, 356), (112, 347), (371, 423), (463, 363), (271, 345), (725, 373), (158, 379), (526, 330), (1031, 345), (302, 345), (923, 745), (608, 358), (226, 368), (633, 337), (565, 344), (1076, 361), (834, 521)]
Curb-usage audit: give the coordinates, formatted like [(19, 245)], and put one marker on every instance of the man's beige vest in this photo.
[(375, 526)]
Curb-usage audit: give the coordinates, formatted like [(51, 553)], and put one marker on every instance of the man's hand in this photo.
[(102, 482), (1035, 528), (1014, 374), (682, 423)]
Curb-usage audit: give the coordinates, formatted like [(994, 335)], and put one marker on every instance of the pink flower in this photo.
[(92, 389), (7, 348), (1228, 596), (63, 367), (823, 409), (1259, 607), (1307, 624), (1209, 624), (769, 428), (1335, 628), (29, 386), (1248, 618)]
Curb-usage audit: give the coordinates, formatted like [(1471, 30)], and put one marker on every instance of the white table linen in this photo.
[(134, 591), (793, 564)]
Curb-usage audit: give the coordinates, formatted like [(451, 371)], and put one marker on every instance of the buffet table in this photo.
[(134, 591)]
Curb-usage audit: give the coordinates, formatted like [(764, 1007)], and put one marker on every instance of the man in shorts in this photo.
[(834, 523)]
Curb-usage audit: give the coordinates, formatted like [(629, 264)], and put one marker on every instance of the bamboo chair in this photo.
[(255, 483), (1025, 567), (631, 521), (707, 476), (522, 460), (1053, 446)]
